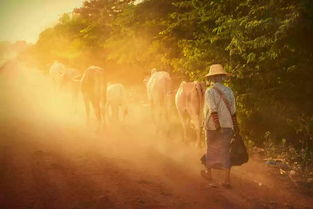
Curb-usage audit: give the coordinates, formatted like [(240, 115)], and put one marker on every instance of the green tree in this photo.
[(265, 44)]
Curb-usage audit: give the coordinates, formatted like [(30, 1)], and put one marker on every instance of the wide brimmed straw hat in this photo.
[(216, 69)]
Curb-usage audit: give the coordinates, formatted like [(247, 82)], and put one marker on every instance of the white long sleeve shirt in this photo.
[(214, 103)]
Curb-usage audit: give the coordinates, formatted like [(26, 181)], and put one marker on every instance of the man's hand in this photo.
[(216, 121)]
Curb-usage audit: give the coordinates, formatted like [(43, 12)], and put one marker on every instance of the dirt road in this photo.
[(50, 160)]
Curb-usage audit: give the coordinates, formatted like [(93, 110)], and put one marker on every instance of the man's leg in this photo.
[(209, 174)]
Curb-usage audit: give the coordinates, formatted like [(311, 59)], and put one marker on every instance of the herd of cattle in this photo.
[(111, 101)]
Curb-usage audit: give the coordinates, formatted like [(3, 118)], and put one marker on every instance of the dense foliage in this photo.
[(266, 44)]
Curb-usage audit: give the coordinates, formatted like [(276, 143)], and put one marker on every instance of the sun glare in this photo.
[(25, 19)]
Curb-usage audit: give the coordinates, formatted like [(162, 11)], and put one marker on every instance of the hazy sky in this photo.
[(25, 19)]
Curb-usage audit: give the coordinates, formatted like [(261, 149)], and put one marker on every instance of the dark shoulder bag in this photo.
[(238, 150)]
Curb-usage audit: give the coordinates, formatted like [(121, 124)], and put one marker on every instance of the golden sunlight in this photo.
[(25, 19), (128, 104)]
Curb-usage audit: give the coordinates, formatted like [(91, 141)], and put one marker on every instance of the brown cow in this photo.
[(92, 86)]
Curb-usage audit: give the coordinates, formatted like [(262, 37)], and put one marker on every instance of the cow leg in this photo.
[(152, 107), (162, 122), (75, 95), (87, 108), (184, 121), (115, 112), (107, 112), (124, 111), (167, 120), (103, 112), (98, 116), (120, 113), (97, 109), (152, 111), (73, 101), (197, 129), (158, 118)]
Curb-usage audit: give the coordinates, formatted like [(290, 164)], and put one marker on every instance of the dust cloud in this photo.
[(33, 99), (49, 158)]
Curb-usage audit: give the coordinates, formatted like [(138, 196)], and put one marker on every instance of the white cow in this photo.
[(67, 79), (116, 101), (189, 102), (92, 88), (56, 73), (158, 92)]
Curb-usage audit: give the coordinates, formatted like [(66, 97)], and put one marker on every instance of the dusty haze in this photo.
[(50, 159)]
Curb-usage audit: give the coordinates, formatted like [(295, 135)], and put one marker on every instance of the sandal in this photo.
[(211, 185), (205, 176)]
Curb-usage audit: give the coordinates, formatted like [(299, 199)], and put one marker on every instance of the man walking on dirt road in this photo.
[(220, 124)]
